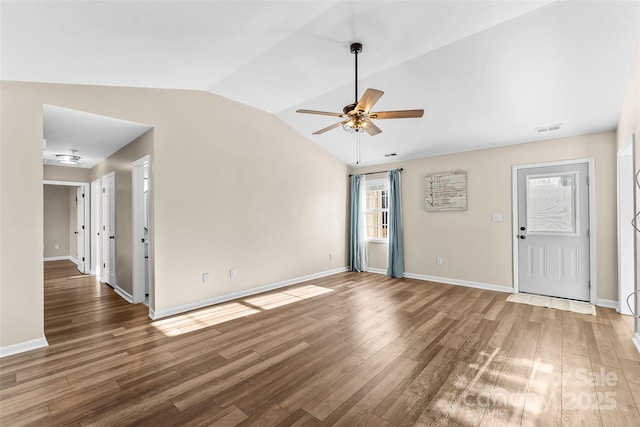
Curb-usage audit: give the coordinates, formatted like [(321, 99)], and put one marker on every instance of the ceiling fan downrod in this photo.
[(356, 48)]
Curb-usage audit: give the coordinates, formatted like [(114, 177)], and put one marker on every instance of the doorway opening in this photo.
[(141, 227), (76, 195), (626, 232)]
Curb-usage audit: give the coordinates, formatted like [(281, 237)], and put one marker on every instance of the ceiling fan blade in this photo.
[(368, 100), (398, 114), (322, 113), (328, 128), (371, 129)]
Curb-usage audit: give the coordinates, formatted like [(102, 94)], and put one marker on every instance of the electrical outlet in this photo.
[(205, 277), (233, 273), (57, 245), (439, 260)]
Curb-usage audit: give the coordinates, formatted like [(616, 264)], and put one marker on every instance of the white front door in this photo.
[(553, 231), (80, 229), (109, 229)]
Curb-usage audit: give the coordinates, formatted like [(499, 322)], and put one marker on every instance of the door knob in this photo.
[(522, 236), (112, 237), (523, 228)]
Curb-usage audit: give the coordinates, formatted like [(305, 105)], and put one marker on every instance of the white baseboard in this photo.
[(158, 314), (58, 258), (376, 270), (73, 260), (124, 294), (457, 282), (608, 304), (10, 350), (636, 341)]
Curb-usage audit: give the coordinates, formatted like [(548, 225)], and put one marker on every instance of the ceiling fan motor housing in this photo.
[(356, 48), (349, 108)]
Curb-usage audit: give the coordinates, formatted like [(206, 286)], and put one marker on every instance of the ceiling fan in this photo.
[(357, 116)]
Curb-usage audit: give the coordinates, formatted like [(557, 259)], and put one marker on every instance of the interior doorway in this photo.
[(626, 233), (80, 240), (108, 274), (141, 226), (96, 242)]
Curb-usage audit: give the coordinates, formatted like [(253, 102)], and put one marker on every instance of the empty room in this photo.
[(305, 213)]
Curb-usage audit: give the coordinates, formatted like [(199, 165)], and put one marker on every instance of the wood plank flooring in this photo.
[(353, 349)]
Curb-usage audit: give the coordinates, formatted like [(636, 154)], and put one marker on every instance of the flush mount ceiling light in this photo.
[(68, 159)]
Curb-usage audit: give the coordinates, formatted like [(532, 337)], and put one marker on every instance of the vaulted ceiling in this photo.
[(487, 73)]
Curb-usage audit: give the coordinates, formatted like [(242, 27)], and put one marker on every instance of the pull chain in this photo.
[(358, 148)]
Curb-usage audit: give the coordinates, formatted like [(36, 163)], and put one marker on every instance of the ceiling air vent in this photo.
[(549, 128)]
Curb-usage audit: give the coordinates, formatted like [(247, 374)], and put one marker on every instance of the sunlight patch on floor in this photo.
[(278, 299), (493, 388), (211, 316), (193, 321)]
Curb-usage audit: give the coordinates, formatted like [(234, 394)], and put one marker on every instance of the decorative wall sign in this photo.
[(446, 191)]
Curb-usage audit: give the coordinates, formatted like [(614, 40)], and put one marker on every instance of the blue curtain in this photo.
[(395, 264), (357, 246)]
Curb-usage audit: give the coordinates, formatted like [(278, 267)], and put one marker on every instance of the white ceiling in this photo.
[(486, 72), (94, 137)]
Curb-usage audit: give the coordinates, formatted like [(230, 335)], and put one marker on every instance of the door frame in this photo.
[(626, 235), (137, 212), (592, 220), (87, 218)]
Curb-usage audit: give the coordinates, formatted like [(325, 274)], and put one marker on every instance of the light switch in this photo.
[(496, 216)]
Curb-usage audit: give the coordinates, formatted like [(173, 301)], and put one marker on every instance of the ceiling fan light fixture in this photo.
[(68, 159), (356, 124)]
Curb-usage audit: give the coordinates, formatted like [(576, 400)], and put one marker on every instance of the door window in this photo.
[(551, 204)]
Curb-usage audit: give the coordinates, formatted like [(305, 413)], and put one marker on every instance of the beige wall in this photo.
[(473, 247), (628, 125), (234, 187), (56, 221), (65, 173), (120, 163), (21, 216)]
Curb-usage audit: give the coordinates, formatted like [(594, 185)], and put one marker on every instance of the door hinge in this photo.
[(103, 227), (104, 265), (589, 232), (83, 195), (82, 259), (104, 190), (587, 180), (83, 227)]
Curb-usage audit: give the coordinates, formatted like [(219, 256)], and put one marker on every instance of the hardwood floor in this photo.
[(349, 349)]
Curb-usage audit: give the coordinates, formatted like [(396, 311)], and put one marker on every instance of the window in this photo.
[(551, 203), (376, 209)]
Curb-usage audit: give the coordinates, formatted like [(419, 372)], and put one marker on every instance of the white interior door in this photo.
[(80, 229), (109, 229), (140, 228), (553, 231), (95, 228)]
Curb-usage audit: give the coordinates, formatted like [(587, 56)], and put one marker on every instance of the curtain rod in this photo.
[(372, 173)]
